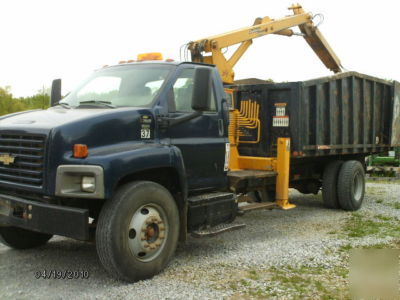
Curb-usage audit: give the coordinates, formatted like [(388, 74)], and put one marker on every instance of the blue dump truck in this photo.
[(139, 155)]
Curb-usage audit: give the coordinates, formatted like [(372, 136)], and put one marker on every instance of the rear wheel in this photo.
[(351, 185), (19, 238), (138, 230), (330, 183)]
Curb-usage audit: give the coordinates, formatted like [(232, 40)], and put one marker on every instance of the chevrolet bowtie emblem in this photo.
[(6, 159)]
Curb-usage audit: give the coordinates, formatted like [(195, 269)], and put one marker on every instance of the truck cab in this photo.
[(118, 159)]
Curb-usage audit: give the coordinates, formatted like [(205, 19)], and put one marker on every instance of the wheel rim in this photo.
[(358, 186), (148, 232)]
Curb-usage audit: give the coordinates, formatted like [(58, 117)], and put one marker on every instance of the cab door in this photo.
[(202, 140)]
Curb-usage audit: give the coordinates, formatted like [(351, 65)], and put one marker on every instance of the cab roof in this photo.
[(162, 62)]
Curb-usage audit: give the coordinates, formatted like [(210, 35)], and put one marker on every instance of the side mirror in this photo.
[(55, 92), (202, 89)]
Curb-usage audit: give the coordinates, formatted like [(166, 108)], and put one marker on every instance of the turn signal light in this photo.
[(150, 56), (80, 151)]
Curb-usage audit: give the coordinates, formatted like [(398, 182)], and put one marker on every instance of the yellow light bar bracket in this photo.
[(150, 56)]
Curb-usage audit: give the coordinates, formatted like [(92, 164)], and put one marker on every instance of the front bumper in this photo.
[(42, 217)]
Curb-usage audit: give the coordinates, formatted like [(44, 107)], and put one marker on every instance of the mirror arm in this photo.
[(168, 122)]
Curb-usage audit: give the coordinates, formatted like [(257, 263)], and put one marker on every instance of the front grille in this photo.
[(28, 153)]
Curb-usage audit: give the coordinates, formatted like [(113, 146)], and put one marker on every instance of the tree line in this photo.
[(10, 104)]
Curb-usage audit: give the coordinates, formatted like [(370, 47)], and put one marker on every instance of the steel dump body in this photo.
[(344, 114)]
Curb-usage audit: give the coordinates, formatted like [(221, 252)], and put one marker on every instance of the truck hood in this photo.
[(50, 118), (95, 127)]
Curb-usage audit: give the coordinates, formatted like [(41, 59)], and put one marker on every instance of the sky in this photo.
[(46, 39)]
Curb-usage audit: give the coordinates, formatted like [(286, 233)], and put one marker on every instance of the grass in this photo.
[(244, 282), (395, 181), (346, 247), (305, 280), (289, 282), (253, 275), (359, 226), (377, 193), (385, 245), (396, 205), (384, 218), (392, 245), (380, 226)]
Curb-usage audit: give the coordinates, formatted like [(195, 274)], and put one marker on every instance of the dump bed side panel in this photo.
[(349, 113), (396, 116)]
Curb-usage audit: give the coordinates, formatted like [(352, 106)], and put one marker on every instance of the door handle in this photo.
[(221, 127)]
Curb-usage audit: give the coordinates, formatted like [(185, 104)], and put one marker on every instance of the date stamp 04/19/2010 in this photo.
[(61, 274)]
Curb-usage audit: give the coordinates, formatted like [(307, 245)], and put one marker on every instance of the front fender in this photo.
[(117, 165)]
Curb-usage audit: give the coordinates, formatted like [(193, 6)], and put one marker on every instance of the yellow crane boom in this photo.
[(209, 50)]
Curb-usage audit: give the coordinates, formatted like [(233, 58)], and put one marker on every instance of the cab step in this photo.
[(211, 209), (213, 231)]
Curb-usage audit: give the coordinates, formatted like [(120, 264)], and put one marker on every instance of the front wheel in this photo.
[(138, 230)]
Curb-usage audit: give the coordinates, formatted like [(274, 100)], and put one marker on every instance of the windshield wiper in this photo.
[(64, 104), (101, 102)]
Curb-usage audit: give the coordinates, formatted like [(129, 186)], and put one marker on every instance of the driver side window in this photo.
[(183, 91)]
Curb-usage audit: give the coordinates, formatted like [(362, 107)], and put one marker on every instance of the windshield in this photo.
[(132, 85)]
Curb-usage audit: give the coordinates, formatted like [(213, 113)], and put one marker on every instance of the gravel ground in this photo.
[(309, 236)]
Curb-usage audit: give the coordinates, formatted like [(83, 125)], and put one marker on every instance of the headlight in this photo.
[(88, 184), (80, 181)]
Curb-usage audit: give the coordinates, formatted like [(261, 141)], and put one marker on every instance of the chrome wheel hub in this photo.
[(147, 232)]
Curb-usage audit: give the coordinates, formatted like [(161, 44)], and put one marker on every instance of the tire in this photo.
[(137, 232), (19, 238), (351, 185), (330, 183)]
